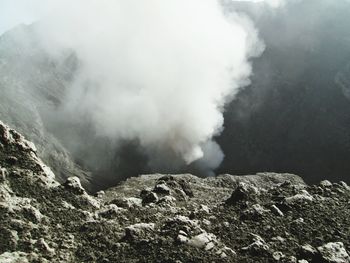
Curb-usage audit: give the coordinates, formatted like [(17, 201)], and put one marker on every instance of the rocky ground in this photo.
[(166, 218)]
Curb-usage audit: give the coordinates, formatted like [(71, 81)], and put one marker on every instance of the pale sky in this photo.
[(14, 12)]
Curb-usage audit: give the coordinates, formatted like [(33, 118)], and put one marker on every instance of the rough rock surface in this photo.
[(32, 86), (166, 218)]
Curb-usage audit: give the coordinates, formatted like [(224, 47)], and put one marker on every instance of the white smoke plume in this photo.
[(272, 3), (158, 71)]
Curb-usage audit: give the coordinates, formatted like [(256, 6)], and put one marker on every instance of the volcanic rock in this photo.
[(176, 218)]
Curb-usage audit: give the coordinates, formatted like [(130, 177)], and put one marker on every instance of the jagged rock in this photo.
[(182, 238), (334, 253), (167, 200), (11, 140), (276, 210), (100, 194), (258, 247), (73, 184), (291, 259), (307, 252), (203, 240), (186, 188), (139, 231), (243, 192), (205, 209), (325, 183), (303, 196), (148, 197), (277, 255), (254, 212), (162, 189)]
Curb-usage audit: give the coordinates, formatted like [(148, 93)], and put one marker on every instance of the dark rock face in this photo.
[(294, 117), (260, 218), (32, 86)]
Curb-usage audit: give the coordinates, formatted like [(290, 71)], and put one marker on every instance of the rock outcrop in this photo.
[(166, 218)]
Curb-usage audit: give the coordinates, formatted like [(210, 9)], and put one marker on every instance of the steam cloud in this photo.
[(272, 3), (159, 72)]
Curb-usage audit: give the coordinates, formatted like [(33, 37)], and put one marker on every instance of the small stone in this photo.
[(278, 255), (206, 222), (162, 189), (258, 247), (276, 211), (182, 239), (3, 174), (137, 231), (298, 221), (148, 197), (226, 224), (291, 259), (200, 241), (325, 183), (100, 194), (243, 192), (209, 246), (67, 205), (205, 209), (90, 200), (307, 251), (304, 196), (45, 248), (73, 184), (259, 209)]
